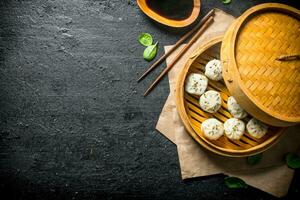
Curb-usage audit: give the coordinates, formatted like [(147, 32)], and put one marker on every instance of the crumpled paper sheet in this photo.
[(270, 175)]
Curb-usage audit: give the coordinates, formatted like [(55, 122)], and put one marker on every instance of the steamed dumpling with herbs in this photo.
[(235, 109), (196, 84), (256, 128), (213, 70), (234, 128), (210, 101), (212, 129)]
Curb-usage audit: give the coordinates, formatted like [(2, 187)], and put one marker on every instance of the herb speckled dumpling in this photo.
[(235, 109), (234, 128), (256, 128), (210, 101), (212, 129), (213, 70), (196, 84)]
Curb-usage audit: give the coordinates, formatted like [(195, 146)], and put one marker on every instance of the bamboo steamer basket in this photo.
[(171, 22), (188, 107), (192, 116), (266, 88)]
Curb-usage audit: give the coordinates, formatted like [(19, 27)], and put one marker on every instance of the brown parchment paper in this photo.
[(270, 175)]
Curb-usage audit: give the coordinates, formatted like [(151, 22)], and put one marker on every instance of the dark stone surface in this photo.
[(73, 122)]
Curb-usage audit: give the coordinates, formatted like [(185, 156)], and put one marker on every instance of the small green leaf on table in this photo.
[(255, 159), (145, 39), (235, 183), (292, 160), (150, 52), (226, 1)]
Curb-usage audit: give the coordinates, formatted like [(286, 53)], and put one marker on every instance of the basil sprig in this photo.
[(235, 183), (255, 159), (226, 1), (151, 49), (292, 160), (150, 52), (145, 39)]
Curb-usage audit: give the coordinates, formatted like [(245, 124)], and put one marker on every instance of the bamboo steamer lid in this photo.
[(265, 87)]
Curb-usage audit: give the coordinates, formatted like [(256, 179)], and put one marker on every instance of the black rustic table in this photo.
[(73, 122)]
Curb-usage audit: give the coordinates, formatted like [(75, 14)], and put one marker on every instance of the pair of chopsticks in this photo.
[(204, 23)]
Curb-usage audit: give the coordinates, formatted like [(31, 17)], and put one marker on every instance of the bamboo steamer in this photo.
[(171, 22), (237, 85), (192, 116), (266, 88)]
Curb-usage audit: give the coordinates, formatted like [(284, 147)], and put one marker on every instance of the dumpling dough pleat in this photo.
[(196, 84), (212, 129), (213, 70), (210, 101), (235, 109), (256, 128), (234, 128)]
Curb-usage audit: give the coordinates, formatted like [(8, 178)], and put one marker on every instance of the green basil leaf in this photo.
[(226, 1), (253, 160), (150, 52), (145, 39), (292, 160), (235, 183)]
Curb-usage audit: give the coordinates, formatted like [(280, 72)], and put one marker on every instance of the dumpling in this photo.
[(235, 109), (256, 128), (212, 129), (234, 128), (196, 84), (213, 70), (210, 101)]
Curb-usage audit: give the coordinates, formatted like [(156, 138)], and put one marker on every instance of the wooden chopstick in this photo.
[(183, 50), (179, 42)]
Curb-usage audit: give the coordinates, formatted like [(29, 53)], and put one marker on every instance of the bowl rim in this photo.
[(170, 22)]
